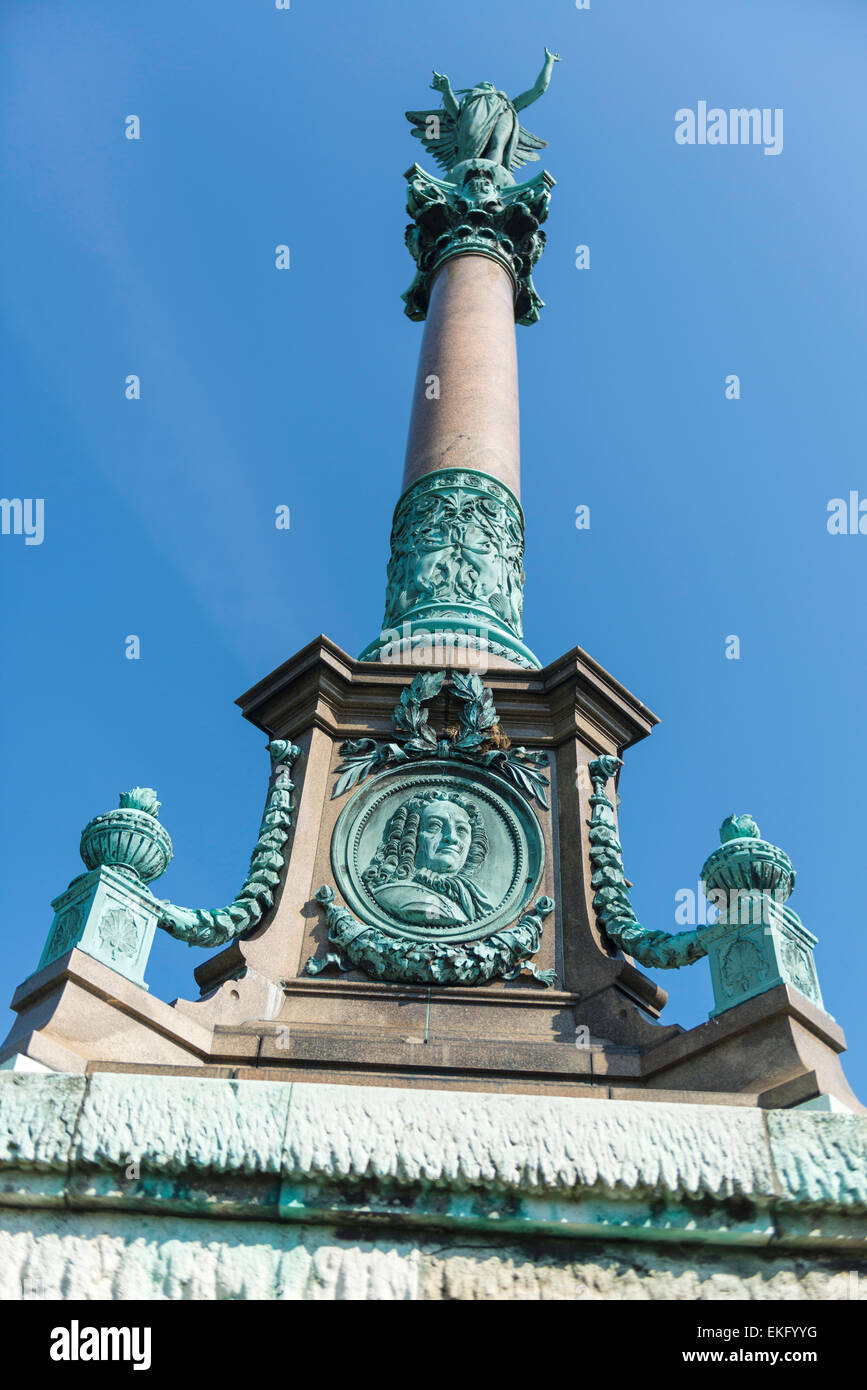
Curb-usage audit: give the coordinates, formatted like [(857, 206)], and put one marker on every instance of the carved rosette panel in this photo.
[(120, 934), (457, 549), (743, 967)]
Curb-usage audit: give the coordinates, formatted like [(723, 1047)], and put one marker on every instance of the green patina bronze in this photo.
[(756, 942), (112, 915), (484, 125), (478, 141), (108, 912), (439, 852), (457, 544), (661, 949), (385, 956), (456, 567), (130, 838), (481, 216), (214, 927)]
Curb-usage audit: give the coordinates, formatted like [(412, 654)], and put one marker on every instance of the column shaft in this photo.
[(465, 405)]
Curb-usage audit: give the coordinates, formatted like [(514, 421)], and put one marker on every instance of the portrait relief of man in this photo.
[(423, 871)]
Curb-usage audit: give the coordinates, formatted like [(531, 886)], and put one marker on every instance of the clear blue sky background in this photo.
[(261, 388)]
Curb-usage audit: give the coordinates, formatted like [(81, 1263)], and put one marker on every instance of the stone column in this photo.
[(456, 576), (465, 404)]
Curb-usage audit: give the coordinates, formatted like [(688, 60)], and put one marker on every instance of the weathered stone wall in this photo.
[(85, 1255), (138, 1186)]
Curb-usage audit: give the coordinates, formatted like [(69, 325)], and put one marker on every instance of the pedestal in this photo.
[(110, 916)]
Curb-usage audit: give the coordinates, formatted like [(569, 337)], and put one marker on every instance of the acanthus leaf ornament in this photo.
[(756, 943), (485, 214), (456, 567)]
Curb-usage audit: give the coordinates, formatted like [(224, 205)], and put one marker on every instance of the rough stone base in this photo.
[(115, 1186), (79, 1255)]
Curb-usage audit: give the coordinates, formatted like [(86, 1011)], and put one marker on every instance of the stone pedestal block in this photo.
[(109, 915), (757, 945)]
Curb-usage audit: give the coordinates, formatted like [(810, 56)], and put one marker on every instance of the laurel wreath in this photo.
[(477, 740)]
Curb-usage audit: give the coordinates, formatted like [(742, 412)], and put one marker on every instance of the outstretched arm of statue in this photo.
[(442, 85), (540, 85)]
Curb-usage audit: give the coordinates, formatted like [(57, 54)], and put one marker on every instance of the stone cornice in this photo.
[(571, 697)]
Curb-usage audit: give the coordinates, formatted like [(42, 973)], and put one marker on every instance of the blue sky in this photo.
[(261, 388)]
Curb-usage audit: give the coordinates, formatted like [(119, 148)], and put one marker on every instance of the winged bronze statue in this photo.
[(483, 125)]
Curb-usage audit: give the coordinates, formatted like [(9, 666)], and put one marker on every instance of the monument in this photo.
[(435, 950)]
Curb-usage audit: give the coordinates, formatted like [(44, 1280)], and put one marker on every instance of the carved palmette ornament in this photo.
[(119, 934)]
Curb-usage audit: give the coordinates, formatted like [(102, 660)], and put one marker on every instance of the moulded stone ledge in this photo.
[(313, 1153), (820, 1158), (525, 1142)]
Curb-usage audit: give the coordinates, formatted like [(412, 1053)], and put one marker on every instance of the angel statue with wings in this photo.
[(484, 125)]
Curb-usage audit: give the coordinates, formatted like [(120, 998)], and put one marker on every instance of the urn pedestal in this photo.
[(110, 916), (756, 950)]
